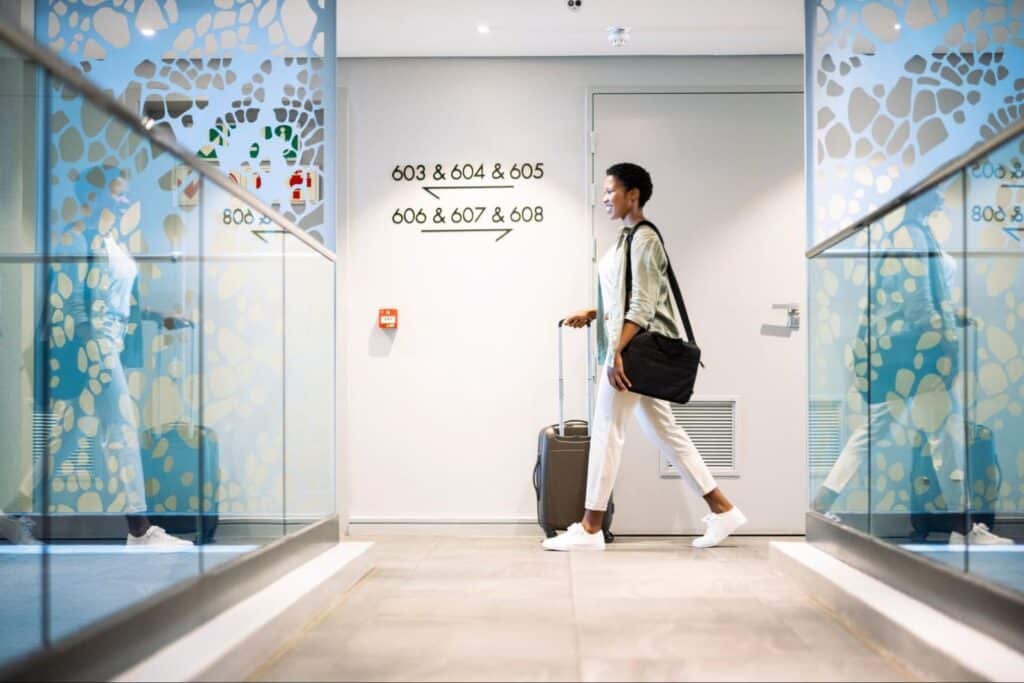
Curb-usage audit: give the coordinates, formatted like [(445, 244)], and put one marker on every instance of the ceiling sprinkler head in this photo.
[(618, 35)]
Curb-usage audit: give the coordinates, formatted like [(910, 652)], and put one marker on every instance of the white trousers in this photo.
[(608, 435), (945, 442)]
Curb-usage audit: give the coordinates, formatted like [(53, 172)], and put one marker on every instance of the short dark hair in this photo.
[(633, 177)]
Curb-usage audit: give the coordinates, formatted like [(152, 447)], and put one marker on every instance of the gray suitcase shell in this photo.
[(560, 474)]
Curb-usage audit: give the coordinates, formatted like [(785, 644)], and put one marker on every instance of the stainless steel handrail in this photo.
[(942, 173), (142, 126)]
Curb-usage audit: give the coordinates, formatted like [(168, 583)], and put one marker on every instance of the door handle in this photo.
[(792, 314)]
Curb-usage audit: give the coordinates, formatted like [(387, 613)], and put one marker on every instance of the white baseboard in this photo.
[(935, 645), (232, 645), (439, 526)]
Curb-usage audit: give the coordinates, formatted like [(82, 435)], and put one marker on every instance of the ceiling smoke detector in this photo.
[(618, 35)]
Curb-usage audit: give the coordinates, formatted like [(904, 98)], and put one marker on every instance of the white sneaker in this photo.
[(156, 536), (18, 530), (719, 527), (575, 538), (978, 535)]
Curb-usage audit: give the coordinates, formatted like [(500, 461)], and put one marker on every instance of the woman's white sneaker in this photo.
[(575, 538), (979, 535), (156, 536), (18, 530), (719, 527)]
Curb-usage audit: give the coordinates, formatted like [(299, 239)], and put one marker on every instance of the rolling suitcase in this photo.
[(180, 462), (560, 475)]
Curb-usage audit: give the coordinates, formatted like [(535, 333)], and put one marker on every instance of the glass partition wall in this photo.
[(917, 371), (166, 358)]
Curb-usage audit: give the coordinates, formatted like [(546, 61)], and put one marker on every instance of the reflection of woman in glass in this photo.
[(92, 297), (906, 358)]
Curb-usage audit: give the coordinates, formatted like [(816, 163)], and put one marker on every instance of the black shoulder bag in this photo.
[(656, 365)]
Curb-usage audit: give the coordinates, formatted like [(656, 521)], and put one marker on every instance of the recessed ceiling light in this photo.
[(483, 28), (897, 26), (148, 32)]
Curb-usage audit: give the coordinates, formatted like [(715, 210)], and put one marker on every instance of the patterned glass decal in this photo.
[(917, 331), (896, 88), (243, 83)]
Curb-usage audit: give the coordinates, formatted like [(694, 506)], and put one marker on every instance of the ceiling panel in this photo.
[(448, 28)]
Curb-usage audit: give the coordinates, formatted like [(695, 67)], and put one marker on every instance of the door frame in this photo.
[(591, 185)]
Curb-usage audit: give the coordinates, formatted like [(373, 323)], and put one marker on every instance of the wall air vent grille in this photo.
[(712, 426)]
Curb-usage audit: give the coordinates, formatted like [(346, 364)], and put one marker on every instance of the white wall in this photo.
[(442, 417)]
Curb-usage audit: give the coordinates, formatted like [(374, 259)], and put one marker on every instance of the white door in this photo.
[(728, 172)]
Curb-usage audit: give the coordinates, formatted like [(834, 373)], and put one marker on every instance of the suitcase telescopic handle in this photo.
[(561, 381)]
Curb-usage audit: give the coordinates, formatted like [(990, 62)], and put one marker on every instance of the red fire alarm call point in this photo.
[(387, 318)]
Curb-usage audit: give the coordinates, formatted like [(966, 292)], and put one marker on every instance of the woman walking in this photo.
[(627, 187)]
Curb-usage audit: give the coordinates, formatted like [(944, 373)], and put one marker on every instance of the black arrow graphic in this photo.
[(503, 231), (1011, 232), (261, 233), (429, 189)]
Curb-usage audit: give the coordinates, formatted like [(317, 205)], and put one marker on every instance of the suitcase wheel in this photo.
[(609, 537), (549, 531)]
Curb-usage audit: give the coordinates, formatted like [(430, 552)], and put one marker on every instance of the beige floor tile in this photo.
[(382, 640), (419, 669), (319, 668), (597, 611), (733, 669), (822, 633), (486, 669), (685, 639), (361, 602), (595, 584), (489, 566), (400, 549), (481, 609), (512, 588), (600, 670), (444, 543), (460, 607), (798, 667)]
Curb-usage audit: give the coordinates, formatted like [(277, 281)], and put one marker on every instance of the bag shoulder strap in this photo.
[(676, 293)]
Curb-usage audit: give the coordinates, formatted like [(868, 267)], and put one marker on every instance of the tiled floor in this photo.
[(501, 609)]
